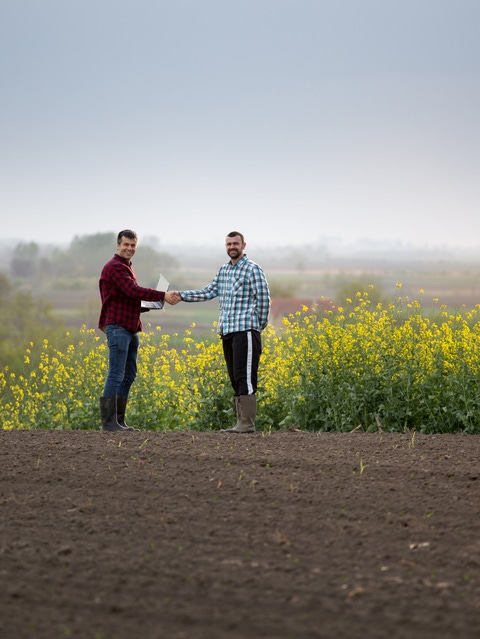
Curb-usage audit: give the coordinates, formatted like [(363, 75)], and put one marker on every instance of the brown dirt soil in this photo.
[(207, 535)]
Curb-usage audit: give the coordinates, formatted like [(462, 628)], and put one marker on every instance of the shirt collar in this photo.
[(242, 259), (122, 259)]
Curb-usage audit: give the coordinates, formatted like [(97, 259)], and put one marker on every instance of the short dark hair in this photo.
[(235, 233), (126, 233)]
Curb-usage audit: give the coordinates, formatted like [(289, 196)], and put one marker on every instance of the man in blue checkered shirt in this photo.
[(244, 301)]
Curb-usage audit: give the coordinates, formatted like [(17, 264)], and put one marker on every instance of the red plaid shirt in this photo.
[(121, 295)]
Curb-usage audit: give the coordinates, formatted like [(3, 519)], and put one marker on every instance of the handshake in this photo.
[(173, 297)]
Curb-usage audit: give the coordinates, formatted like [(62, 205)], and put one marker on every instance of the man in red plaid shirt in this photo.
[(120, 321)]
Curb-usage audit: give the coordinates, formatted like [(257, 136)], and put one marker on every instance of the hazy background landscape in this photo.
[(66, 276)]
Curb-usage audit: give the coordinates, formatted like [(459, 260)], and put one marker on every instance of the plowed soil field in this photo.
[(191, 535)]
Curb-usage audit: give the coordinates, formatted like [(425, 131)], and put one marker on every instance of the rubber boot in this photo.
[(246, 412), (236, 402), (236, 408), (121, 407), (108, 413)]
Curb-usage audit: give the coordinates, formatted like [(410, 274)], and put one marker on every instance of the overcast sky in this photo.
[(289, 120)]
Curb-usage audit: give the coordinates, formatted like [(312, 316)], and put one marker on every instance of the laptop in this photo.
[(162, 285)]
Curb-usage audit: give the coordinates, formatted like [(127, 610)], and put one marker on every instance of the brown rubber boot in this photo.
[(246, 412)]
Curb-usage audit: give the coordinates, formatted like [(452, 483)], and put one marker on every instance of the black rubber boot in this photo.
[(121, 407), (108, 413)]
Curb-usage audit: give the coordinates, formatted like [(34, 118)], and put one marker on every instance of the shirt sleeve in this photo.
[(262, 294), (202, 295), (127, 284)]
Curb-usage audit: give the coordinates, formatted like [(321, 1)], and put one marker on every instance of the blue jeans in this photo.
[(122, 361)]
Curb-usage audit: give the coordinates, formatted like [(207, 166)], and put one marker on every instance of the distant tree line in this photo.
[(84, 258)]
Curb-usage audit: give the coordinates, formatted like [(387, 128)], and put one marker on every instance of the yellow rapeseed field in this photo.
[(392, 367)]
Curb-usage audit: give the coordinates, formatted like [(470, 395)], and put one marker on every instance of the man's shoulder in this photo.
[(110, 263), (113, 265), (251, 264)]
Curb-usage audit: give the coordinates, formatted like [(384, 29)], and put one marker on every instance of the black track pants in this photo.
[(242, 352)]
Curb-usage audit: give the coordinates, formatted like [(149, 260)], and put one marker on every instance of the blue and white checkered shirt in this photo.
[(243, 295)]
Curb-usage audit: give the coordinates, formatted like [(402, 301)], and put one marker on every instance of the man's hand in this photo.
[(173, 297)]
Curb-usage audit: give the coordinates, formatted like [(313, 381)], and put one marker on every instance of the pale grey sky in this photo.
[(289, 120)]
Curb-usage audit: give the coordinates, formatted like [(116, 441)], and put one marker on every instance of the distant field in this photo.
[(454, 287)]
